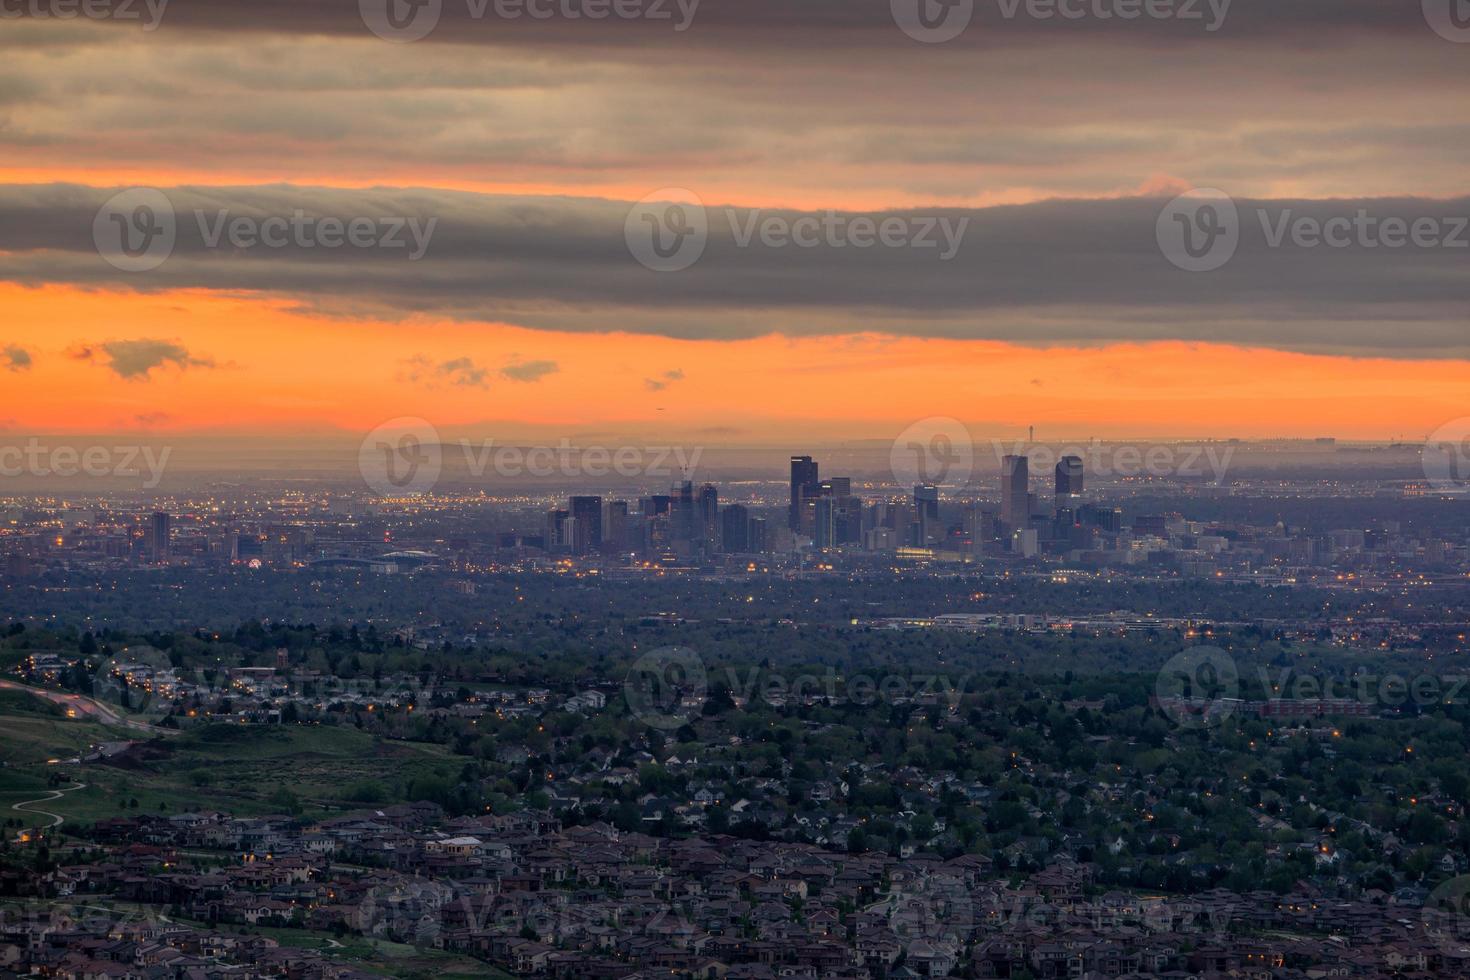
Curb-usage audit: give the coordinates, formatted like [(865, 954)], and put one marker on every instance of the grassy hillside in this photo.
[(235, 768)]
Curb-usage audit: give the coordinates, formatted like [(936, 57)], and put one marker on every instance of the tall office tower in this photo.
[(1069, 476), (926, 500), (615, 526), (162, 535), (587, 532), (681, 509), (556, 529), (805, 486), (735, 528), (824, 524), (708, 506), (926, 506), (1015, 496), (837, 486), (758, 539), (849, 518)]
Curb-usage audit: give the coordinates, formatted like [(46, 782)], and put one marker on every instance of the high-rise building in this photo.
[(1015, 491), (926, 505), (805, 487), (162, 536), (735, 528), (587, 531), (557, 532), (708, 506), (824, 523), (1069, 476), (615, 526), (681, 509), (758, 540)]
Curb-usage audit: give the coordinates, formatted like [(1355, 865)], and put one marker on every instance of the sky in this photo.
[(883, 212)]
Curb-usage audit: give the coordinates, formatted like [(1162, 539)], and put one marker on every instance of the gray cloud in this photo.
[(1057, 271), (461, 372), (134, 360), (528, 371), (16, 358), (664, 380)]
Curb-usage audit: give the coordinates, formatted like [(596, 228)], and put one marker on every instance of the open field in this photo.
[(243, 769)]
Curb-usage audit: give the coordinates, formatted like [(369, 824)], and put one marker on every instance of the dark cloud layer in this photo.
[(808, 23), (1073, 271)]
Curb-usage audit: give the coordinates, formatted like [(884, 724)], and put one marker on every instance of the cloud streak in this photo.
[(1055, 271)]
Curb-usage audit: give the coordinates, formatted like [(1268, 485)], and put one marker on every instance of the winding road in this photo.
[(55, 794)]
